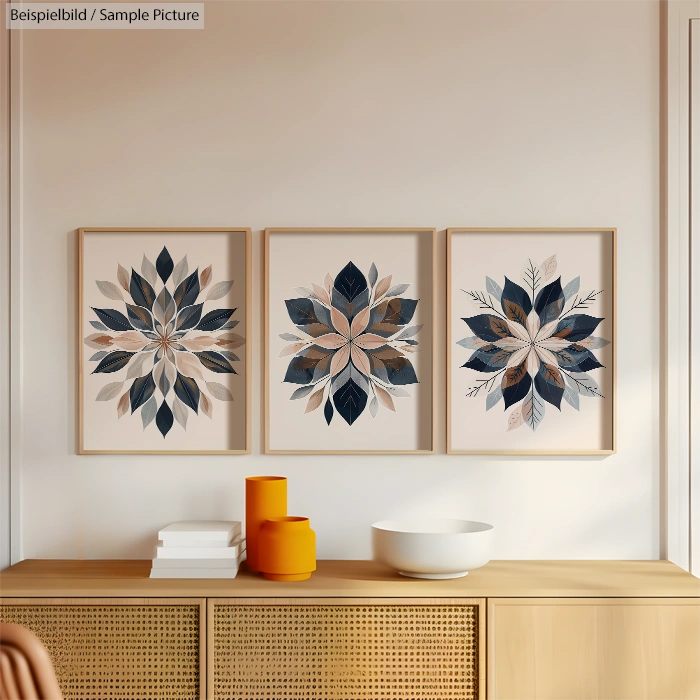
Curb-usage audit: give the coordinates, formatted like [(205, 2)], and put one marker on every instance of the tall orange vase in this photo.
[(265, 498)]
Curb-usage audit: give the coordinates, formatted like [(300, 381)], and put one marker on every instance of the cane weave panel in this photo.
[(124, 652), (348, 652)]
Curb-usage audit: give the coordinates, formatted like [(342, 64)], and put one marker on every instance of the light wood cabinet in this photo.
[(632, 649), (536, 630)]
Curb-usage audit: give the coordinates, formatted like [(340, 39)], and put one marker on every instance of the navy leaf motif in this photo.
[(141, 390), (516, 384), (113, 362), (312, 316), (576, 327), (113, 319), (139, 317), (189, 317), (391, 366), (550, 384), (164, 419), (549, 302), (187, 291), (164, 265), (390, 315), (350, 282), (187, 391), (308, 366), (350, 400), (577, 359), (328, 411), (141, 291), (215, 319), (515, 302), (215, 361), (490, 358), (487, 327)]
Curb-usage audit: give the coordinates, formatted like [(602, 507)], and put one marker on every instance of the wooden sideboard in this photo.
[(357, 631)]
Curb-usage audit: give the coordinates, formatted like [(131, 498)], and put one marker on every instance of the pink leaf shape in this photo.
[(369, 341), (340, 323), (360, 360), (359, 323), (321, 294), (330, 341), (291, 349), (340, 360)]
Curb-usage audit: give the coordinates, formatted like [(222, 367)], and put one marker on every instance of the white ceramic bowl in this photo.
[(432, 548)]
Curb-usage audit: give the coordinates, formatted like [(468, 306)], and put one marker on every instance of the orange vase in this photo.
[(287, 549), (265, 497)]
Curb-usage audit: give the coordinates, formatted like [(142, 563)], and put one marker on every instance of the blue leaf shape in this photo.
[(571, 289), (350, 401), (189, 317), (164, 265), (113, 319), (141, 390), (549, 302), (113, 362), (215, 362), (488, 327), (577, 359), (215, 319), (550, 384), (98, 326), (187, 391), (328, 408), (494, 289), (99, 355), (488, 359), (350, 282), (515, 302), (141, 291), (187, 291), (576, 327), (515, 385), (139, 317), (164, 419)]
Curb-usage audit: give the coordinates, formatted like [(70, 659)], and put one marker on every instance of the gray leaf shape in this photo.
[(148, 411), (304, 292), (164, 307), (373, 275), (230, 356), (180, 272), (110, 290), (148, 270), (164, 376), (596, 343), (397, 289), (409, 332), (533, 411), (109, 391), (374, 407), (469, 343), (138, 367), (219, 391), (493, 289), (99, 355), (220, 289), (229, 325), (571, 397), (397, 391), (494, 397), (99, 326), (180, 412), (571, 288), (302, 392), (583, 384), (285, 336)]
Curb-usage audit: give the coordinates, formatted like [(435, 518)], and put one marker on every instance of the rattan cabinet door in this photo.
[(333, 649), (121, 649)]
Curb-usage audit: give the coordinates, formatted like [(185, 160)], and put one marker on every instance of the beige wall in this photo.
[(344, 114)]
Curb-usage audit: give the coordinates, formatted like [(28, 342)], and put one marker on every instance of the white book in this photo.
[(195, 533), (225, 553), (222, 563), (203, 572), (194, 573)]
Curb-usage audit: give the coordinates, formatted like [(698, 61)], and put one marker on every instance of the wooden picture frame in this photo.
[(498, 257), (335, 249), (186, 393)]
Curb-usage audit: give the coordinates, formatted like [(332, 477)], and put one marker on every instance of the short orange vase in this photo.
[(265, 497), (287, 549)]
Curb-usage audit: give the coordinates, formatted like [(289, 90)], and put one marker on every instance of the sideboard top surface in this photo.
[(56, 578)]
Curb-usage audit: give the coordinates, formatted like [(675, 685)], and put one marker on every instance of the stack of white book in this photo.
[(199, 549)]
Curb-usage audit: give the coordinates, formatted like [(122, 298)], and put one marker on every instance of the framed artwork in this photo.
[(349, 340), (531, 341), (164, 323)]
